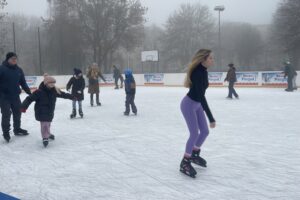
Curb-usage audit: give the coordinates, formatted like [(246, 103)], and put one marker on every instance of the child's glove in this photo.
[(23, 110)]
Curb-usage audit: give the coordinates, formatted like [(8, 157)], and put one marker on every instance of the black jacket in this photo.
[(78, 86), (45, 100), (199, 78), (117, 73), (11, 78), (231, 75), (130, 84)]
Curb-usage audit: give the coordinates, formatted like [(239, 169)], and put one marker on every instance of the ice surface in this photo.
[(252, 154)]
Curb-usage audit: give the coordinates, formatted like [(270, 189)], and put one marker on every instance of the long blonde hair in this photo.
[(198, 58), (94, 71)]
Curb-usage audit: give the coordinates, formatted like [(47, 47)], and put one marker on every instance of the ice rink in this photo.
[(253, 154)]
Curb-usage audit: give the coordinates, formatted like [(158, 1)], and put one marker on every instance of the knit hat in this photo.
[(128, 72), (9, 55), (77, 71), (230, 65), (49, 79)]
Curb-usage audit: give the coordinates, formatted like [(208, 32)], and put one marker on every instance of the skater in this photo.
[(289, 72), (93, 75), (130, 88), (45, 100), (117, 75), (295, 87), (77, 84), (231, 78), (11, 78), (193, 106)]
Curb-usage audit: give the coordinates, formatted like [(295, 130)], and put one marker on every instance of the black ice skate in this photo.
[(73, 115), (196, 159), (20, 132), (187, 168), (52, 137), (126, 113), (80, 113), (99, 104), (45, 142), (6, 137)]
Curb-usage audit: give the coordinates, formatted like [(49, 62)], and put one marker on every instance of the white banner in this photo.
[(154, 78), (247, 78)]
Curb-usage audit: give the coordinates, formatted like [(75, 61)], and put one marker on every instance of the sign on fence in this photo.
[(247, 78), (273, 79), (215, 78), (154, 79)]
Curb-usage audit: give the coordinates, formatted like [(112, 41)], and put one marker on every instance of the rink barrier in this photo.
[(244, 79)]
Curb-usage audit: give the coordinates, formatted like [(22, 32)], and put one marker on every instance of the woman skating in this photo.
[(193, 106)]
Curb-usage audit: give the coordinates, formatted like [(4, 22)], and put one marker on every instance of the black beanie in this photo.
[(9, 55), (77, 71)]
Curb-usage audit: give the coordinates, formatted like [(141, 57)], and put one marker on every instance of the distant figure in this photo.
[(77, 84), (231, 78), (117, 75), (93, 75), (130, 89), (194, 106), (290, 73), (45, 100), (11, 78)]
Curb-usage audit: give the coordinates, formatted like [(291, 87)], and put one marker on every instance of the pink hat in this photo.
[(49, 79)]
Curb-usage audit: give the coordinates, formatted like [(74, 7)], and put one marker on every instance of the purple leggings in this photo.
[(45, 129), (196, 121)]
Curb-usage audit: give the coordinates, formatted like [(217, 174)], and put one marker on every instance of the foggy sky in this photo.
[(251, 11)]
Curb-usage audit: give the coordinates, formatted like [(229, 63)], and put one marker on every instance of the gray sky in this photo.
[(251, 11)]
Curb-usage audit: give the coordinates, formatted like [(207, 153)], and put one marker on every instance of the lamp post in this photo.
[(219, 9)]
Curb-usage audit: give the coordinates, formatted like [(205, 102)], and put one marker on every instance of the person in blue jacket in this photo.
[(11, 78), (130, 88)]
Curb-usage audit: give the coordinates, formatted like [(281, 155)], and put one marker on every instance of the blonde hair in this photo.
[(200, 57)]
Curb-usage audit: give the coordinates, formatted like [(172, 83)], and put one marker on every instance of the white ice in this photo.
[(253, 154)]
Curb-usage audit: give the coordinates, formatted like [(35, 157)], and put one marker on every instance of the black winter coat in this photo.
[(78, 86), (11, 78), (45, 100)]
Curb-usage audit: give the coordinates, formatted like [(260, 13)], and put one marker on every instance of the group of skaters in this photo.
[(12, 78)]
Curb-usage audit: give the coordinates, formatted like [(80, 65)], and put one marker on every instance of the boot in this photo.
[(197, 159), (73, 115), (187, 168), (20, 132), (6, 136), (80, 112)]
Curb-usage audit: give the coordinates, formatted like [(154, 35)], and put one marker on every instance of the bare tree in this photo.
[(286, 28), (187, 30)]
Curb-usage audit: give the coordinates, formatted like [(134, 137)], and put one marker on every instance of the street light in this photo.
[(220, 9)]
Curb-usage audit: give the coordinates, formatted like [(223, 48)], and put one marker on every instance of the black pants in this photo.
[(231, 90), (9, 107), (130, 102), (290, 83), (97, 98), (117, 80)]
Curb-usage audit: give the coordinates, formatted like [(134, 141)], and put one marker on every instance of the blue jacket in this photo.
[(129, 84), (11, 78)]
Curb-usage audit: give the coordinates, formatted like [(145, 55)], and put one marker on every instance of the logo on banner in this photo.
[(271, 78), (215, 78), (109, 78), (31, 81), (247, 78), (154, 78)]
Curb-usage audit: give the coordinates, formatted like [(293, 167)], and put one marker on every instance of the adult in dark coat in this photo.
[(77, 84), (231, 78), (93, 75), (11, 78), (117, 75), (290, 73)]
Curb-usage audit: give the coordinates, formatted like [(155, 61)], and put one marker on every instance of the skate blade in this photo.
[(188, 174)]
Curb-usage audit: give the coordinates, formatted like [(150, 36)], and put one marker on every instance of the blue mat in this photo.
[(7, 197)]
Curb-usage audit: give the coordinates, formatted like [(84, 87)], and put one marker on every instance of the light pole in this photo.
[(220, 9)]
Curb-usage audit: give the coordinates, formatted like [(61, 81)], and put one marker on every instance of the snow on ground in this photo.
[(252, 154)]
